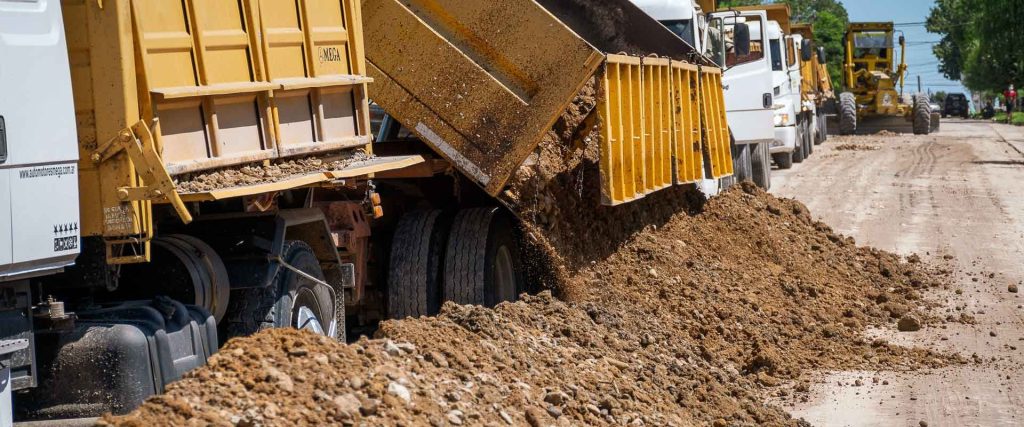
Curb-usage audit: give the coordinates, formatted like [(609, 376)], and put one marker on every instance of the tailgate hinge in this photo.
[(137, 142)]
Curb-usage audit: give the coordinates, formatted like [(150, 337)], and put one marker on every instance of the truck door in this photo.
[(747, 80), (38, 141)]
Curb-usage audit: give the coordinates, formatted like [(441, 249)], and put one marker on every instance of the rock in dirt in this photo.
[(1012, 288), (908, 324)]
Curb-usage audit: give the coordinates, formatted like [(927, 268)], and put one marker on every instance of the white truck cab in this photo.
[(746, 78), (38, 142), (786, 88)]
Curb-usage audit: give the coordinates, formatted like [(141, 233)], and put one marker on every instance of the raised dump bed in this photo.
[(483, 82)]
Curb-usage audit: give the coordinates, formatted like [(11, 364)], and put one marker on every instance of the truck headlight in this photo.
[(781, 119)]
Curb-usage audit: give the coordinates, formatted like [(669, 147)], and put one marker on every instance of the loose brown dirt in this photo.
[(693, 320), (262, 173)]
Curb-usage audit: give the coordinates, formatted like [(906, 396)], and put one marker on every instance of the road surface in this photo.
[(953, 197)]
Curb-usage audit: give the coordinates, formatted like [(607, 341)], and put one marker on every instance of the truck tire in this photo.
[(291, 300), (922, 115), (414, 270), (810, 134), (761, 166), (481, 264), (798, 150), (823, 124), (783, 160), (742, 164), (847, 114)]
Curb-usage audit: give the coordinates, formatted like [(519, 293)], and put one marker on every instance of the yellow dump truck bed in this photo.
[(165, 87)]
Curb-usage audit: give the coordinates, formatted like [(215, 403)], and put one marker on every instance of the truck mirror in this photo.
[(741, 39), (903, 40), (821, 55), (806, 51)]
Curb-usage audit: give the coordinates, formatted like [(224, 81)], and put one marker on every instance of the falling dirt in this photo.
[(262, 173), (694, 320)]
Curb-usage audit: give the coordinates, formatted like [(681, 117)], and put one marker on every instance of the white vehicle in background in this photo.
[(746, 78), (788, 146)]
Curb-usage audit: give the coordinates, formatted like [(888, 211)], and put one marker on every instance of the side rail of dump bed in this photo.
[(482, 83)]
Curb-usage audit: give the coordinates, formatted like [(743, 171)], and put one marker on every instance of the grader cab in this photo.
[(874, 78)]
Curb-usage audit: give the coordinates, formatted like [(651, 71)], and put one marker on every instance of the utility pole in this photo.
[(919, 84)]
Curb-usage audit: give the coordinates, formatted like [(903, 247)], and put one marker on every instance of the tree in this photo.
[(939, 97), (980, 42)]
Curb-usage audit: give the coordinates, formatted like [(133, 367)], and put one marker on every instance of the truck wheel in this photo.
[(761, 166), (783, 160), (291, 300), (481, 264), (810, 135), (847, 114), (823, 124), (798, 151), (922, 115), (414, 271), (742, 164)]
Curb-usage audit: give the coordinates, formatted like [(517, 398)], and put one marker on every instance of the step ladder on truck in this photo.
[(180, 173)]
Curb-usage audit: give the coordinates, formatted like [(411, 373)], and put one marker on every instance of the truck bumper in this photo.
[(785, 140)]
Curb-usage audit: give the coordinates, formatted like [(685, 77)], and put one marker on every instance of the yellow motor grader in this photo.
[(874, 78)]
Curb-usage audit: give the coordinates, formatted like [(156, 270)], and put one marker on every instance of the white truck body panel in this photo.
[(39, 178), (746, 86), (787, 97)]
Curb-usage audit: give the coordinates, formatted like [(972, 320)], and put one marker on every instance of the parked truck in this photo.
[(816, 84), (795, 118), (180, 173), (746, 73)]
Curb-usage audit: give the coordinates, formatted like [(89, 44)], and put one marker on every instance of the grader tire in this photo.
[(847, 114), (922, 115)]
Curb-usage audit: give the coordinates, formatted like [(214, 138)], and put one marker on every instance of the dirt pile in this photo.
[(692, 321), (259, 173)]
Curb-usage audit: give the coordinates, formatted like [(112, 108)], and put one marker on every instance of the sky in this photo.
[(920, 59)]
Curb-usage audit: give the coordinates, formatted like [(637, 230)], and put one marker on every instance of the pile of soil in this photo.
[(262, 173), (694, 320)]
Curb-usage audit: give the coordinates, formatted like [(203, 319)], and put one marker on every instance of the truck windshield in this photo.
[(682, 28), (776, 47)]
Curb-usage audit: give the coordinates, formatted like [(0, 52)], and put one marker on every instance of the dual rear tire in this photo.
[(472, 258)]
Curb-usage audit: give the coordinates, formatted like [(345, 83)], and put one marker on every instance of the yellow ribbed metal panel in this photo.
[(657, 98), (622, 145), (716, 129), (686, 135)]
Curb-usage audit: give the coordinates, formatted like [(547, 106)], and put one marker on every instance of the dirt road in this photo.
[(955, 197)]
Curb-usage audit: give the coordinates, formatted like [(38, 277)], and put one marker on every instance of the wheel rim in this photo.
[(504, 275), (307, 313)]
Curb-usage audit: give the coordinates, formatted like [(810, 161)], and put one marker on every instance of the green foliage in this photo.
[(981, 42), (939, 97), (1018, 118)]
